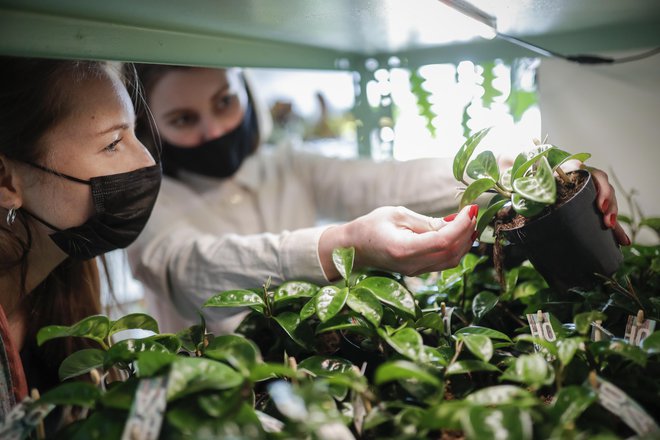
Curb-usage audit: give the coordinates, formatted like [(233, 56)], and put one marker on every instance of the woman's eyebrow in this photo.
[(120, 126), (222, 90)]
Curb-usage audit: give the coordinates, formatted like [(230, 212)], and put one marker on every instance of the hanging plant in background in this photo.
[(521, 97), (423, 100)]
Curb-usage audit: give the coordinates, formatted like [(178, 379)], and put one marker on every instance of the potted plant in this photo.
[(551, 214)]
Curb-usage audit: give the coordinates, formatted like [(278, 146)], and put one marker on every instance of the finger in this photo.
[(621, 236), (417, 222), (452, 238), (442, 260), (605, 198)]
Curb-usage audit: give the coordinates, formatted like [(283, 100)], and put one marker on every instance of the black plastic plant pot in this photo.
[(569, 245)]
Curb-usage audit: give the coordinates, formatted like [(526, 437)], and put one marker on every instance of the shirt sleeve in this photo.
[(345, 189), (190, 266)]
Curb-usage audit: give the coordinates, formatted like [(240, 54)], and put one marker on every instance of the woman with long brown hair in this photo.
[(75, 183)]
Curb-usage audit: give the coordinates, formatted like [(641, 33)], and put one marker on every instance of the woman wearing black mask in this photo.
[(235, 213), (75, 182)]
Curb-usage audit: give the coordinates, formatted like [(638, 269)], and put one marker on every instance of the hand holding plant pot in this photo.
[(557, 220), (400, 240)]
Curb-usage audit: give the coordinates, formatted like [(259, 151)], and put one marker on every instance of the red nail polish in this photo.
[(474, 235), (612, 220), (606, 204), (474, 210), (628, 241), (450, 217)]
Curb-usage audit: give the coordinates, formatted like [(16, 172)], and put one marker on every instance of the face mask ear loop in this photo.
[(58, 174), (42, 221)]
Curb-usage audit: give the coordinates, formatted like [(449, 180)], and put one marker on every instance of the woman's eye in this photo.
[(113, 146), (183, 120), (224, 102)]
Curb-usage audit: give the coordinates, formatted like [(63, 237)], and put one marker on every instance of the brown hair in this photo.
[(148, 76), (34, 96)]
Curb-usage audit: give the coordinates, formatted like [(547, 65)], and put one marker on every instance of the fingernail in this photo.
[(474, 210), (606, 204), (450, 217), (474, 235), (612, 220), (628, 241)]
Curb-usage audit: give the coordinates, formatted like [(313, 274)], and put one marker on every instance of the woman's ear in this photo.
[(10, 193)]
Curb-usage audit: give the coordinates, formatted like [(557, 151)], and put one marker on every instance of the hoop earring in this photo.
[(11, 216)]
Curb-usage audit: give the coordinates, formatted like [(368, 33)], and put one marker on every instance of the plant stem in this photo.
[(563, 175), (459, 347)]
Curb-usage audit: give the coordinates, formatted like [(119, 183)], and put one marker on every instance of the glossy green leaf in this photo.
[(469, 366), (235, 298), (431, 320), (483, 303), (407, 342), (126, 351), (474, 190), (343, 261), (329, 301), (268, 370), (520, 160), (524, 207), (566, 349), (582, 157), (150, 363), (506, 422), (140, 321), (350, 322), (540, 186), (189, 375), (298, 330), (570, 402), (476, 330), (550, 347), (390, 292), (237, 351), (325, 365), (308, 310), (294, 289), (532, 158), (404, 370), (73, 393), (484, 166), (556, 157), (121, 395), (366, 304), (465, 153), (479, 345), (171, 342), (531, 369), (651, 344), (94, 327), (505, 179), (486, 216), (628, 351), (80, 362), (502, 395)]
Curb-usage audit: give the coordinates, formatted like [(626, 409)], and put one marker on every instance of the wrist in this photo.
[(332, 238)]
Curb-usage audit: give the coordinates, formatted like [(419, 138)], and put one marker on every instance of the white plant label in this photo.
[(146, 416), (620, 404), (637, 331), (23, 419), (541, 328), (446, 320)]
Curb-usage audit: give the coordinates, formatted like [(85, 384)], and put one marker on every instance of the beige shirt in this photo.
[(208, 235)]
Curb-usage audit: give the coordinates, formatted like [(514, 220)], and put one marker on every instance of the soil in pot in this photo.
[(568, 242)]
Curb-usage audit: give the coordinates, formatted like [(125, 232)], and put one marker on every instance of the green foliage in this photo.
[(528, 187), (423, 100), (369, 357)]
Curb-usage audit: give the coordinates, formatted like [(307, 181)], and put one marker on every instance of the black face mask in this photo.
[(220, 157), (122, 203)]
